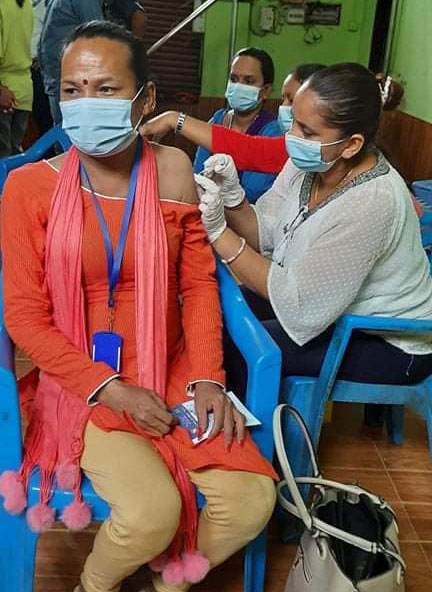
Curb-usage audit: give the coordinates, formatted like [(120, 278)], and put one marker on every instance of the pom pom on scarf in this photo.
[(195, 567), (13, 492), (77, 515), (40, 517), (173, 573)]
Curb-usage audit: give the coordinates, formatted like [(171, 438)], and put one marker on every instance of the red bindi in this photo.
[(85, 81)]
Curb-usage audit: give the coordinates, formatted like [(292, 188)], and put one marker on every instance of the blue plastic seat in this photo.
[(263, 358), (56, 135), (310, 395)]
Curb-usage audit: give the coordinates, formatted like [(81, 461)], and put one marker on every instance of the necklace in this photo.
[(313, 202)]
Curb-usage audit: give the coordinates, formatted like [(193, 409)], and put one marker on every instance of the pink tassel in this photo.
[(12, 489), (159, 563), (195, 567), (66, 476), (40, 517), (173, 573), (77, 515)]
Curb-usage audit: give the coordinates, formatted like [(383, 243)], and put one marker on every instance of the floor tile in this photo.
[(413, 487), (348, 452), (55, 584), (419, 574), (421, 519), (407, 530), (407, 457), (376, 481), (427, 548)]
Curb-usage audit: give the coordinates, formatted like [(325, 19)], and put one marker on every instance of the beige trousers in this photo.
[(129, 474)]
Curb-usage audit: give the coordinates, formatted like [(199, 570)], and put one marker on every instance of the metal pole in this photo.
[(234, 20), (180, 26)]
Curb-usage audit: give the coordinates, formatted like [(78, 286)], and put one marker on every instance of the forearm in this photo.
[(197, 131), (242, 220), (250, 268)]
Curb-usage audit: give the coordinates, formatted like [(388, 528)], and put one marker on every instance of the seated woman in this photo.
[(337, 233), (249, 85), (64, 222)]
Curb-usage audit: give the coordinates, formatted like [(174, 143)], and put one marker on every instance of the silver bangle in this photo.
[(180, 122), (239, 252)]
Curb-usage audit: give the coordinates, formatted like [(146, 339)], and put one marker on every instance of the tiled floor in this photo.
[(349, 452)]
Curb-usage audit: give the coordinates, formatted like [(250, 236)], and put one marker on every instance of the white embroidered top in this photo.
[(359, 252)]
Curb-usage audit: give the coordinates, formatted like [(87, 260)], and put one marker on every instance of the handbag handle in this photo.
[(299, 508), (283, 459)]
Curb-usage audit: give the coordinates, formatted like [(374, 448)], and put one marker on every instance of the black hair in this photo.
[(304, 71), (350, 99), (267, 66), (116, 32), (20, 3)]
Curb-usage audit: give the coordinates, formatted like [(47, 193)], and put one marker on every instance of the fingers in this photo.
[(218, 408), (207, 184), (228, 424), (240, 425), (201, 411)]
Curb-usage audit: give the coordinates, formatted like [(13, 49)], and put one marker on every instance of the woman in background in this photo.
[(249, 85)]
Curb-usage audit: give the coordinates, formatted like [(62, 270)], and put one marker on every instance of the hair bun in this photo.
[(391, 92)]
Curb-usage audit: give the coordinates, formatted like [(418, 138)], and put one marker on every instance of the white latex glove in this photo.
[(211, 207), (221, 169)]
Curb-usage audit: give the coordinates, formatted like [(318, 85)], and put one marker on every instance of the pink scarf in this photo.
[(54, 438)]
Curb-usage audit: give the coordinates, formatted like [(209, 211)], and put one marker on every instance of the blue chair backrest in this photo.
[(54, 136)]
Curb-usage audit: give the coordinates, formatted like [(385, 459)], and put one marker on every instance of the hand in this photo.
[(7, 100), (143, 405), (211, 207), (209, 397), (155, 129), (221, 169)]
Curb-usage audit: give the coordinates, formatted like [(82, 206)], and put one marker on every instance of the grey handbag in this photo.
[(350, 543)]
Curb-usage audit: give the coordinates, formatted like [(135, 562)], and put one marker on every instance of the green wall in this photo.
[(411, 56), (348, 42)]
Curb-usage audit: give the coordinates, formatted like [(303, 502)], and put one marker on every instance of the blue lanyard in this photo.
[(114, 261)]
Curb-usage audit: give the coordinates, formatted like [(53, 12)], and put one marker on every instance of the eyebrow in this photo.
[(98, 79)]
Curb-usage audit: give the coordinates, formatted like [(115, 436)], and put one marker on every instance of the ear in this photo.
[(149, 104), (266, 91), (356, 143)]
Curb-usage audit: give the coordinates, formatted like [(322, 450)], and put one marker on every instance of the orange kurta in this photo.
[(194, 325)]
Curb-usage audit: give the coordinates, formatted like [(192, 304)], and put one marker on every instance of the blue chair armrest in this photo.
[(261, 354), (342, 334), (35, 152), (10, 420)]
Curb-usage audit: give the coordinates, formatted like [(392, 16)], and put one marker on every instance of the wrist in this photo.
[(112, 394)]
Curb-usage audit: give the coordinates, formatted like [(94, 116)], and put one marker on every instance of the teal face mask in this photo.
[(242, 97), (99, 127), (285, 118), (306, 154)]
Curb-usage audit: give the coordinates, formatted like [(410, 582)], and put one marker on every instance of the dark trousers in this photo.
[(12, 129), (368, 358), (41, 107)]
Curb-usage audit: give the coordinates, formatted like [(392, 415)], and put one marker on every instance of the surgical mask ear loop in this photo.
[(135, 129)]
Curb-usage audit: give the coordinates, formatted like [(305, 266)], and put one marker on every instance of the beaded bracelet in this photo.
[(239, 252)]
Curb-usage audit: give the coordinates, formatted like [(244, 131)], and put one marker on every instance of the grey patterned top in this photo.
[(359, 252)]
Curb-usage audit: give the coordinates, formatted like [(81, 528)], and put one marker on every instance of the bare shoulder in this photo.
[(175, 174)]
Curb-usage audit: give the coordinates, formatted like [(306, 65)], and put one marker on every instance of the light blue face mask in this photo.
[(285, 118), (242, 97), (306, 154), (99, 127)]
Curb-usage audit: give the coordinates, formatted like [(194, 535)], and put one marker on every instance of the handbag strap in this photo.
[(298, 507)]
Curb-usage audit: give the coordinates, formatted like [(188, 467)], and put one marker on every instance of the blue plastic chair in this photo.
[(310, 395), (36, 152), (18, 544)]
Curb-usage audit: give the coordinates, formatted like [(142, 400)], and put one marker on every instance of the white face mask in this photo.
[(99, 127)]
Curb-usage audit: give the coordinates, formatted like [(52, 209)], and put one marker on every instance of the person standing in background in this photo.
[(62, 17), (16, 89), (130, 13), (41, 114)]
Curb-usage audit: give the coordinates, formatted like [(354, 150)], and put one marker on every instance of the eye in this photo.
[(106, 90), (233, 78), (70, 90)]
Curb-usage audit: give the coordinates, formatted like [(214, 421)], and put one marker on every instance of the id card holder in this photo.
[(106, 347)]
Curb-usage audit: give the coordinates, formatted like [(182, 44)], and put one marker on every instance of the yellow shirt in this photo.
[(16, 26)]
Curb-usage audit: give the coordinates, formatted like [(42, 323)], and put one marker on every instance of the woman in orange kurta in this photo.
[(122, 451)]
